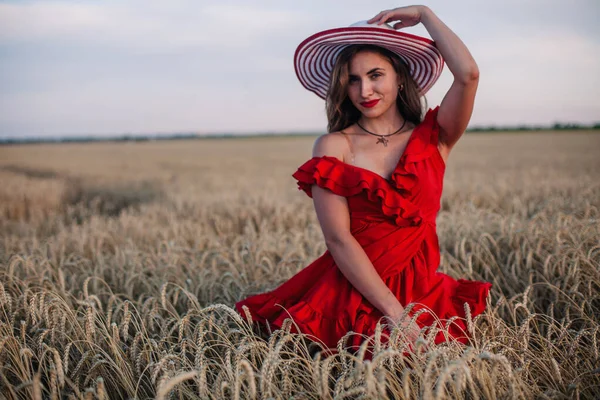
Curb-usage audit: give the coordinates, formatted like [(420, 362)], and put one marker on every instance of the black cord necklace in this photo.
[(382, 138)]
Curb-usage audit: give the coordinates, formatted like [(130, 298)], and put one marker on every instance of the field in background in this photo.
[(119, 263)]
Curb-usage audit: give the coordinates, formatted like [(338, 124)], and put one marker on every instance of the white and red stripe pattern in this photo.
[(315, 56)]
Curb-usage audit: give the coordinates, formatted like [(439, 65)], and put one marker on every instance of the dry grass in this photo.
[(119, 264)]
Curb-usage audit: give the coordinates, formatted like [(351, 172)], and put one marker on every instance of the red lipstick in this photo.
[(369, 104)]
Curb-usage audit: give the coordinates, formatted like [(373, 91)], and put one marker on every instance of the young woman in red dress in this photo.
[(376, 181)]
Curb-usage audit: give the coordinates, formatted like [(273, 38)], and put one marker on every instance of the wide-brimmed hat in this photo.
[(315, 56)]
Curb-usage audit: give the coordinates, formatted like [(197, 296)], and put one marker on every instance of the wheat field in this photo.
[(120, 264)]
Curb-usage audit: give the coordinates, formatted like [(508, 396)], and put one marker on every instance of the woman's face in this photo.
[(372, 83)]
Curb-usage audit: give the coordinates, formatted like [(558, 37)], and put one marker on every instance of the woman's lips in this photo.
[(369, 104)]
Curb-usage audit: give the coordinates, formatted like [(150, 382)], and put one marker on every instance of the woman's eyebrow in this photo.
[(369, 72)]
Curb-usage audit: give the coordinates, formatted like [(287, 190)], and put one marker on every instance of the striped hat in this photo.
[(315, 56)]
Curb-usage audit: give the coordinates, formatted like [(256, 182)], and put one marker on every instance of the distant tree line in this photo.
[(91, 139), (555, 127), (187, 136)]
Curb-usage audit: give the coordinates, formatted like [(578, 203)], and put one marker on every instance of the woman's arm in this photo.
[(351, 259), (334, 218), (457, 105)]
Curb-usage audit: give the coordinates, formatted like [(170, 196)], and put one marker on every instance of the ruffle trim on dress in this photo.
[(267, 308), (362, 318), (348, 180), (331, 173), (310, 321), (473, 293), (421, 147)]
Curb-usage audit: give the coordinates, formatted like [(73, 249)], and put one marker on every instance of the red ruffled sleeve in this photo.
[(330, 173)]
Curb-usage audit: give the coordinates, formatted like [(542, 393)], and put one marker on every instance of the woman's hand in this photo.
[(411, 331), (408, 327), (408, 16)]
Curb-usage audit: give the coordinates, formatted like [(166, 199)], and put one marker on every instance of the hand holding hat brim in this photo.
[(408, 16)]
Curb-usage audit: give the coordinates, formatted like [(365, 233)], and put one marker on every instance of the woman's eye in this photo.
[(375, 75)]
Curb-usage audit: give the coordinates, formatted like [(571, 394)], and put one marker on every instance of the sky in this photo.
[(110, 67)]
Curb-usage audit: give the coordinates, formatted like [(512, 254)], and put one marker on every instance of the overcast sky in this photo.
[(155, 66)]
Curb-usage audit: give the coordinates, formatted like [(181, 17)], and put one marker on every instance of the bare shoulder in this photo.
[(331, 144)]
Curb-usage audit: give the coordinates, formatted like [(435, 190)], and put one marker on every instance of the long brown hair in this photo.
[(341, 113)]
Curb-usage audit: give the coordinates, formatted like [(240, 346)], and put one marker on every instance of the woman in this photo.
[(376, 181)]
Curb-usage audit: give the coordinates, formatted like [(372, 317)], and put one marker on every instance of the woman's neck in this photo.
[(384, 124)]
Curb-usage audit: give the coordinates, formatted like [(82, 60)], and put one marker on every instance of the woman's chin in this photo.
[(371, 112)]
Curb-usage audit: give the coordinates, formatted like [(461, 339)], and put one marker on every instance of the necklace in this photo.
[(382, 138)]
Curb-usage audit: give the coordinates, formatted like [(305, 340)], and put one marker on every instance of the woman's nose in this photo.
[(365, 88)]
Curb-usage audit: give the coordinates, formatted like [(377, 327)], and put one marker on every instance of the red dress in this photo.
[(394, 222)]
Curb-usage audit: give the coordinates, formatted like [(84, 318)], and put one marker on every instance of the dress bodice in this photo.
[(410, 197)]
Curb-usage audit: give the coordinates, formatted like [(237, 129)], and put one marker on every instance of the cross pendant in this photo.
[(383, 140)]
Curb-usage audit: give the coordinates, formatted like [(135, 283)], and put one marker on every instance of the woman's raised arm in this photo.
[(457, 105)]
